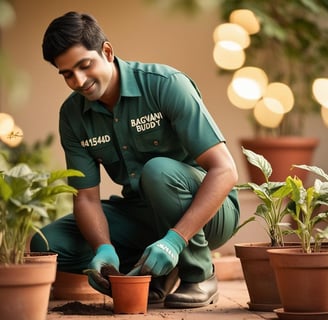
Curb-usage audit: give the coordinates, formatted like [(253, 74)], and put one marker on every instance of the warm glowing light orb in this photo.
[(282, 94), (6, 123), (246, 19), (265, 116), (14, 138), (320, 91), (238, 101), (250, 82), (228, 59), (231, 32)]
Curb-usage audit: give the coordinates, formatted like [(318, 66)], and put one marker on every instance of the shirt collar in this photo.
[(129, 86)]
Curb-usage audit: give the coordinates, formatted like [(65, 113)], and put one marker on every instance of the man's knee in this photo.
[(162, 170), (153, 169)]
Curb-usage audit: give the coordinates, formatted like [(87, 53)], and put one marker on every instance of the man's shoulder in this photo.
[(74, 97), (158, 69), (74, 100)]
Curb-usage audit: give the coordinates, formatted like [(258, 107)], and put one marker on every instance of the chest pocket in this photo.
[(104, 153), (156, 141)]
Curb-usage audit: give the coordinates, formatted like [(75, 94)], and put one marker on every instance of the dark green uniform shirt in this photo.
[(159, 113)]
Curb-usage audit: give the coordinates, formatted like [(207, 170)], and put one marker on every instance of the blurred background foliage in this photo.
[(291, 47)]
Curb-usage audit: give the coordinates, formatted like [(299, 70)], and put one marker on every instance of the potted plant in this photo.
[(301, 271), (292, 35), (272, 209), (25, 196)]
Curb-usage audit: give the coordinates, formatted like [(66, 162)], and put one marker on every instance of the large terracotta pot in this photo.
[(259, 276), (302, 281), (34, 257), (282, 153), (25, 290), (71, 286)]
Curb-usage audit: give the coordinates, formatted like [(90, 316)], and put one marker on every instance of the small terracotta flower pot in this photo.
[(130, 293)]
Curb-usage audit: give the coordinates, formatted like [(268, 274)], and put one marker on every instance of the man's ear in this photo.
[(108, 51)]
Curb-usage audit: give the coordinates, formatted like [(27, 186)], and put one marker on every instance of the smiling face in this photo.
[(92, 75)]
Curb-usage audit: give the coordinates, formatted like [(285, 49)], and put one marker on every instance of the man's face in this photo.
[(86, 71)]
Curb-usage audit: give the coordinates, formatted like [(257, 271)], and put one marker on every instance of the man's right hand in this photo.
[(105, 262)]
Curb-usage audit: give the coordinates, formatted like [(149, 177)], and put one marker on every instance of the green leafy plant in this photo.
[(37, 156), (25, 196), (273, 206), (308, 208)]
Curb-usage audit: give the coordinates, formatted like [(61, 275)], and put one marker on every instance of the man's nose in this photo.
[(80, 79)]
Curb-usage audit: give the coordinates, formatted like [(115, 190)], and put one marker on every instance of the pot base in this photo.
[(300, 315), (262, 307)]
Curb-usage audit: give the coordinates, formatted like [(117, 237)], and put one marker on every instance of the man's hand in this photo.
[(105, 262), (161, 257)]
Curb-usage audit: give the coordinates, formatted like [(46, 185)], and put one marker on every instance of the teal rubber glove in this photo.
[(161, 257), (105, 262)]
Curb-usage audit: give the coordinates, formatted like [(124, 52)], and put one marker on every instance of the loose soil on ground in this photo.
[(78, 308)]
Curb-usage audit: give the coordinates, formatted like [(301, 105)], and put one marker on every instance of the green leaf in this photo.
[(258, 161), (322, 234), (52, 191), (5, 189), (244, 223), (20, 170), (61, 174), (313, 169), (323, 216)]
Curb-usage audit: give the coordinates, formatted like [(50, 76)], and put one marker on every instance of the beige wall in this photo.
[(137, 32)]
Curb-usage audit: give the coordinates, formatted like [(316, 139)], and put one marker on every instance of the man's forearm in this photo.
[(92, 222)]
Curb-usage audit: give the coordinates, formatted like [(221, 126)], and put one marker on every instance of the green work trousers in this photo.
[(167, 188)]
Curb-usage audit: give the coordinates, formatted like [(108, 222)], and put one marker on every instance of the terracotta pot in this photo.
[(259, 276), (25, 290), (282, 153), (227, 268), (302, 280), (40, 257), (130, 293), (72, 286)]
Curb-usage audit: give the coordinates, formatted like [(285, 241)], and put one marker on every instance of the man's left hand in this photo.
[(161, 257)]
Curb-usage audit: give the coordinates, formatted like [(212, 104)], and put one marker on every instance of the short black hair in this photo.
[(69, 30)]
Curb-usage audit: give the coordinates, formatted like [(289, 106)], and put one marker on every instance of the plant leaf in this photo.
[(5, 190), (313, 169), (258, 161), (61, 174)]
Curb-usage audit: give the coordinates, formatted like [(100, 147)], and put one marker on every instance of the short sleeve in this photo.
[(182, 103)]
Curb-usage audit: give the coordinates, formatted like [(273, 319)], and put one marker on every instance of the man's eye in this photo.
[(86, 65), (67, 75)]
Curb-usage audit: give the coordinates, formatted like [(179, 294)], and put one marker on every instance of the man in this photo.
[(148, 126)]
